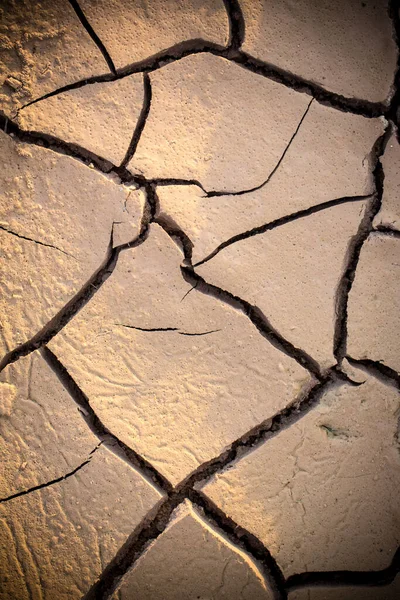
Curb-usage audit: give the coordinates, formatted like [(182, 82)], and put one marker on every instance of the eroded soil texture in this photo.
[(200, 308)]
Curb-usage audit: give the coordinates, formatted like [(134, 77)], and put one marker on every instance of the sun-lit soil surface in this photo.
[(200, 307)]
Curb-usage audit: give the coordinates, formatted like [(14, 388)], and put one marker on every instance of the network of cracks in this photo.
[(317, 383)]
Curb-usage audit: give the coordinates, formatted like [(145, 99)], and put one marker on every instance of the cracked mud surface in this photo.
[(199, 371)]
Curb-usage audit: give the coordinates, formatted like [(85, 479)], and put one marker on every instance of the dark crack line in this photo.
[(67, 312), (58, 145), (41, 486), (359, 107), (179, 51), (151, 527), (236, 24), (256, 316), (387, 230), (393, 110), (183, 240), (96, 426), (141, 123), (148, 329), (165, 181), (244, 539), (356, 106), (188, 292), (156, 521), (82, 17), (163, 329), (177, 235), (378, 369), (300, 214), (28, 239), (63, 148), (200, 333), (307, 399), (215, 193), (346, 578), (82, 297), (148, 65), (355, 246)]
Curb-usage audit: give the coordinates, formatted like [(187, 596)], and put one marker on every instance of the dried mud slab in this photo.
[(43, 47), (374, 303), (212, 121), (345, 46), (43, 436), (326, 160), (56, 218), (134, 30), (389, 215), (182, 442), (56, 541), (177, 378), (323, 495), (101, 117), (190, 559), (388, 592), (291, 274)]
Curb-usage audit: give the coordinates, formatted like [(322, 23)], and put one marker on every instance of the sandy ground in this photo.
[(200, 308)]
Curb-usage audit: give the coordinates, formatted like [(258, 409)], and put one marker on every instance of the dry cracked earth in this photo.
[(200, 309)]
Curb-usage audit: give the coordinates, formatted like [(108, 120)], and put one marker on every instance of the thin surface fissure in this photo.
[(47, 484), (386, 230), (40, 243), (256, 316), (78, 301), (167, 329), (213, 194), (148, 530), (300, 214), (259, 320), (156, 521)]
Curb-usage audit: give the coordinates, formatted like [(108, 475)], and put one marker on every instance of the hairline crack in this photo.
[(40, 243), (47, 484), (215, 193), (86, 292), (167, 329), (280, 221)]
